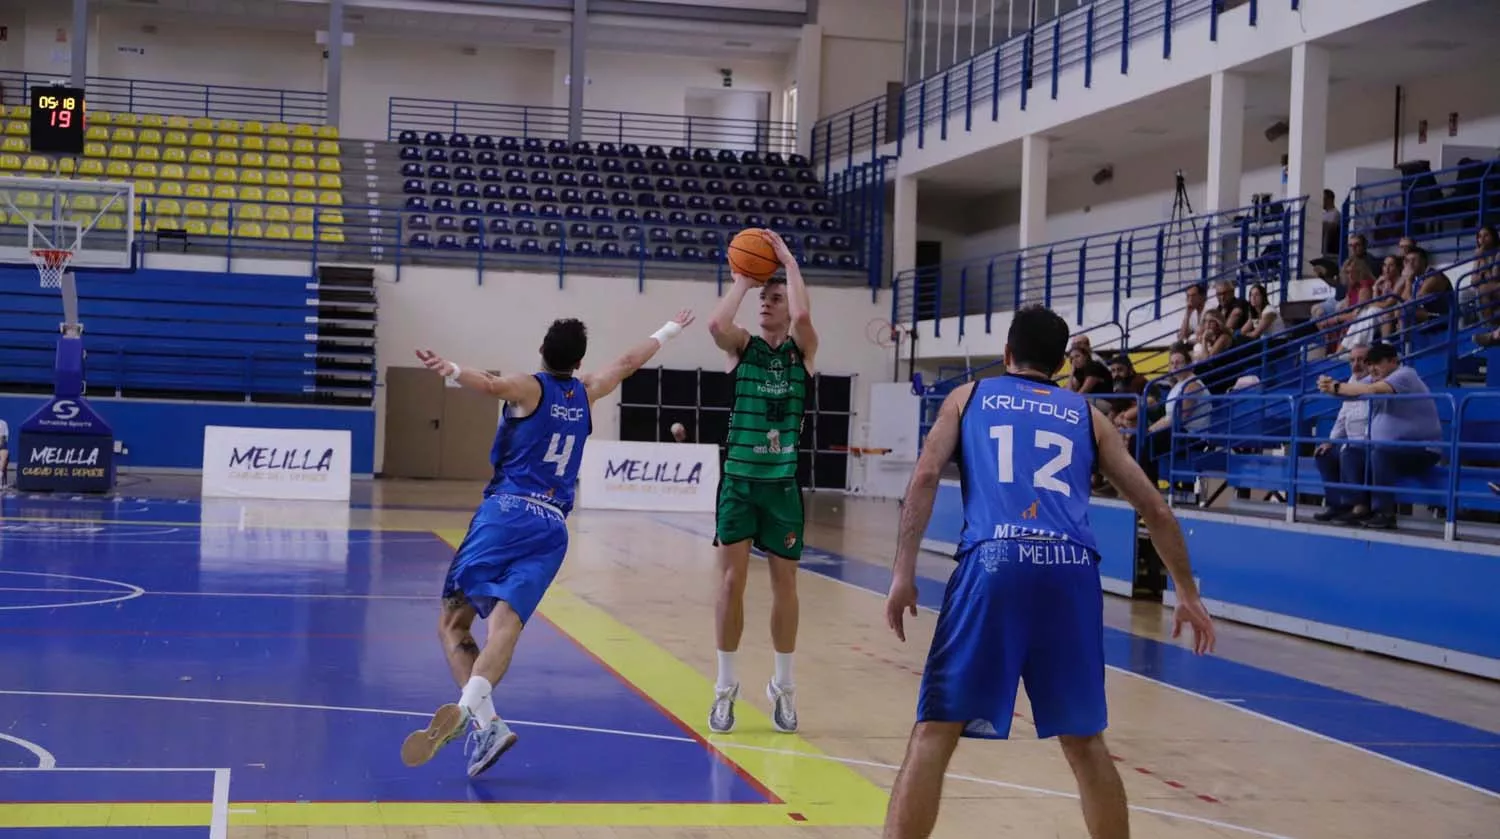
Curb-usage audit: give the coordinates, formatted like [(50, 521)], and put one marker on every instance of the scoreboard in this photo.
[(57, 120)]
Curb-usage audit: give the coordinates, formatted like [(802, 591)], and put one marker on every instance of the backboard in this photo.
[(94, 219)]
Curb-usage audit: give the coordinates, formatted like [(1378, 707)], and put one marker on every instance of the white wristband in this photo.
[(452, 378), (669, 330)]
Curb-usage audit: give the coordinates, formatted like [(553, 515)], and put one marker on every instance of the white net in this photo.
[(51, 264)]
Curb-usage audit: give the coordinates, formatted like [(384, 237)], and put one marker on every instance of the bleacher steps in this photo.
[(345, 322)]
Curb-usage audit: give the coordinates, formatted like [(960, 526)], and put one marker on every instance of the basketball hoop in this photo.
[(51, 264), (882, 333)]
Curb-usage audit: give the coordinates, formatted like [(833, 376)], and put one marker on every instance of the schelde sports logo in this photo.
[(66, 414), (65, 410)]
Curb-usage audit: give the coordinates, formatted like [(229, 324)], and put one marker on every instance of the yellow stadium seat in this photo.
[(227, 141), (331, 216), (230, 125), (118, 169), (182, 123), (90, 167), (328, 132), (167, 207), (21, 112), (201, 140), (250, 212), (37, 163), (123, 134), (226, 158), (143, 170), (150, 136), (222, 210), (119, 152), (252, 160), (95, 150), (278, 177), (174, 154), (326, 181), (219, 228), (252, 176), (302, 129), (111, 223), (201, 157), (303, 215), (203, 124), (303, 146), (225, 192), (10, 161), (278, 161), (175, 138), (195, 209), (302, 233), (195, 227), (278, 213), (161, 223), (100, 117), (145, 187), (304, 163), (306, 180), (328, 198), (84, 203), (278, 196), (170, 189), (331, 236), (330, 164), (226, 175), (252, 193), (17, 128), (328, 147), (253, 142), (248, 230), (97, 133), (28, 199), (146, 120), (172, 172), (278, 144), (279, 129), (304, 196), (253, 126), (195, 190), (67, 166), (148, 152), (278, 231), (13, 144), (199, 173)]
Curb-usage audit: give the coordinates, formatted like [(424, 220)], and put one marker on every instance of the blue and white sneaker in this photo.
[(783, 707), (487, 744), (721, 713), (447, 724)]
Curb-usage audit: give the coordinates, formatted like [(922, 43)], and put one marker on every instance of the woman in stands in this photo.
[(1216, 339), (1264, 320)]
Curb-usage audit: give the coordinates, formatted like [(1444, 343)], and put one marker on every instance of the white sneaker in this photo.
[(721, 715), (783, 707)]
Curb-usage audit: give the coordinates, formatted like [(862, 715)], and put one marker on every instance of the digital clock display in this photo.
[(57, 120)]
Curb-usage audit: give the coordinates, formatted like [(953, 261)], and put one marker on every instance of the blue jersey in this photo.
[(1026, 461), (537, 456)]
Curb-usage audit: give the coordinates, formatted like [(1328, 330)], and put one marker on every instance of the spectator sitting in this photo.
[(1333, 221), (1405, 420), (1326, 269), (1182, 404), (1216, 339), (1088, 374), (1192, 316), (1483, 278), (1233, 311), (1373, 321), (1342, 458), (1082, 342), (1264, 320), (1359, 251), (1125, 380), (1418, 281)]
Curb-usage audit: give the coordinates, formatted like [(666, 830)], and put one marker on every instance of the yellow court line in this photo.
[(101, 814)]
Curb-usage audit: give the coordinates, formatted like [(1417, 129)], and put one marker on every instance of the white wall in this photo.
[(658, 84), (181, 49), (500, 324), (863, 50)]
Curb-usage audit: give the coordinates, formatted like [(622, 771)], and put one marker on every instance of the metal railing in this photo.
[(1260, 243), (546, 122), (148, 96), (1438, 209)]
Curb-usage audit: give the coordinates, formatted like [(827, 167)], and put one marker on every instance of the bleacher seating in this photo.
[(199, 176), (662, 204)]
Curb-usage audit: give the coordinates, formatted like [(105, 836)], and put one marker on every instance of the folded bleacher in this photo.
[(529, 196)]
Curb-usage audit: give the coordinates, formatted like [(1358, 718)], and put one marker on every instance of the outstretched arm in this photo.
[(518, 389), (728, 335), (603, 382), (798, 303)]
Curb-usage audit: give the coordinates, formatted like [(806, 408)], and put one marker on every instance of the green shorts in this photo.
[(769, 513)]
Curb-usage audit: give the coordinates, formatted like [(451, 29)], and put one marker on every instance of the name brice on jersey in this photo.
[(1010, 402)]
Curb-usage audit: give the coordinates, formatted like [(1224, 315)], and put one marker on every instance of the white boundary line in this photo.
[(125, 591), (221, 776), (44, 759)]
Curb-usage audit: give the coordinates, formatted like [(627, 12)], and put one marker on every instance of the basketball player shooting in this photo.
[(759, 501), (1024, 602), (519, 535)]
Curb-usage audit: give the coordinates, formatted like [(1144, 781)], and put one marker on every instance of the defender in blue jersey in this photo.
[(1024, 603), (519, 535)]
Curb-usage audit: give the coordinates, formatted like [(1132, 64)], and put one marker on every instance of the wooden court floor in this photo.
[(1275, 737)]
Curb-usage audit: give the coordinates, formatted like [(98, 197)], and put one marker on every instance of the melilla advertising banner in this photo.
[(665, 477), (281, 463), (65, 463)]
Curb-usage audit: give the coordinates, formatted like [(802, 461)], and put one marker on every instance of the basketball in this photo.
[(751, 255)]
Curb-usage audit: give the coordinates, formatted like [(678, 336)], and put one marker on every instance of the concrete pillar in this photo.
[(80, 42), (1226, 140), (1308, 142), (809, 86), (577, 69), (333, 79), (904, 225), (1034, 153)]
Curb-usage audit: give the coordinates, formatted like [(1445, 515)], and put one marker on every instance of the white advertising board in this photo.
[(288, 464), (664, 477)]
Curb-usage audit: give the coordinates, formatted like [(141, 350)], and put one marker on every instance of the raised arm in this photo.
[(798, 303), (603, 382), (728, 335), (1166, 534), (916, 507), (518, 389)]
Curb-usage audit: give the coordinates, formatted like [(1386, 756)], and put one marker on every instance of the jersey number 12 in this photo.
[(1046, 476), (559, 451)]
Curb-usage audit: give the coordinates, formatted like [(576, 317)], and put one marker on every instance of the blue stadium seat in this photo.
[(747, 205), (679, 153), (726, 156), (630, 150), (703, 155), (846, 262), (637, 251), (487, 157), (653, 217), (461, 156), (583, 249), (627, 214), (602, 214), (567, 179), (440, 188), (458, 140), (812, 242), (412, 170), (636, 167), (484, 141), (558, 146), (704, 219), (432, 138), (633, 233), (408, 137), (659, 234), (611, 164), (536, 161), (805, 224), (416, 203), (467, 189), (771, 206), (580, 231), (575, 212), (493, 191), (525, 227), (473, 225), (781, 175), (522, 209), (411, 153), (491, 174), (729, 220), (500, 226), (445, 223), (606, 231), (508, 144), (655, 152), (541, 176), (515, 176), (714, 255), (503, 245), (774, 158), (711, 237), (496, 208), (647, 199), (586, 164), (797, 161), (518, 193), (616, 181), (677, 218), (822, 260), (796, 208), (437, 170), (641, 183), (562, 161), (685, 170), (611, 250), (739, 188), (814, 191), (780, 224), (821, 208), (757, 173), (571, 196), (418, 222), (474, 243), (691, 254), (665, 252), (697, 202), (545, 193), (470, 207), (828, 225), (449, 242), (622, 199), (552, 229), (597, 197), (750, 157), (512, 160), (666, 184), (661, 168), (436, 155), (715, 188), (419, 240), (583, 148), (806, 176), (686, 237), (710, 170), (755, 220), (788, 191), (463, 173), (792, 240), (533, 144), (548, 211), (414, 186), (764, 190)]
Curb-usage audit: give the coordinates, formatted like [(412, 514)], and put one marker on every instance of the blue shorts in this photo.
[(1019, 611), (511, 553)]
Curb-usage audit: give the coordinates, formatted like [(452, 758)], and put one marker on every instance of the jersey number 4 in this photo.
[(1046, 476), (559, 451)]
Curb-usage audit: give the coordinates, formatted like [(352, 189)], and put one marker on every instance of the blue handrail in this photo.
[(1439, 209), (150, 96)]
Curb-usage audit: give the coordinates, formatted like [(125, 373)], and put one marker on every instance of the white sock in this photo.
[(726, 670), (783, 677), (476, 698)]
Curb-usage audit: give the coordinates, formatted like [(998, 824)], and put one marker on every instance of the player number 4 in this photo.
[(559, 451), (1046, 476)]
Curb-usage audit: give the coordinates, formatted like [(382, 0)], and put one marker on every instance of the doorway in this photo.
[(728, 119), (436, 431)]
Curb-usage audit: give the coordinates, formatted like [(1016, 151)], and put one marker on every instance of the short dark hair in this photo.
[(1201, 287), (564, 347), (1038, 339), (1181, 348), (775, 280), (1421, 253), (1381, 351)]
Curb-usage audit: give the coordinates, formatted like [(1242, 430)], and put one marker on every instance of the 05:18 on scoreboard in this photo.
[(57, 120)]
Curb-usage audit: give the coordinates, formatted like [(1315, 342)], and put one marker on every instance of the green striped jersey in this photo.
[(765, 422)]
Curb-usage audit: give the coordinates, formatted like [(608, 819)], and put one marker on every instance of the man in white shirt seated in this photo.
[(1344, 453)]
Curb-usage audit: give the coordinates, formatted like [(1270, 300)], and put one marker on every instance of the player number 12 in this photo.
[(1046, 476)]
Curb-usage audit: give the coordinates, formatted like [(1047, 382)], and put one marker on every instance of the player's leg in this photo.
[(455, 625), (734, 527), (1100, 790), (781, 535), (913, 807)]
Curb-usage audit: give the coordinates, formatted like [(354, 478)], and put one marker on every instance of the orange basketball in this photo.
[(750, 254)]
